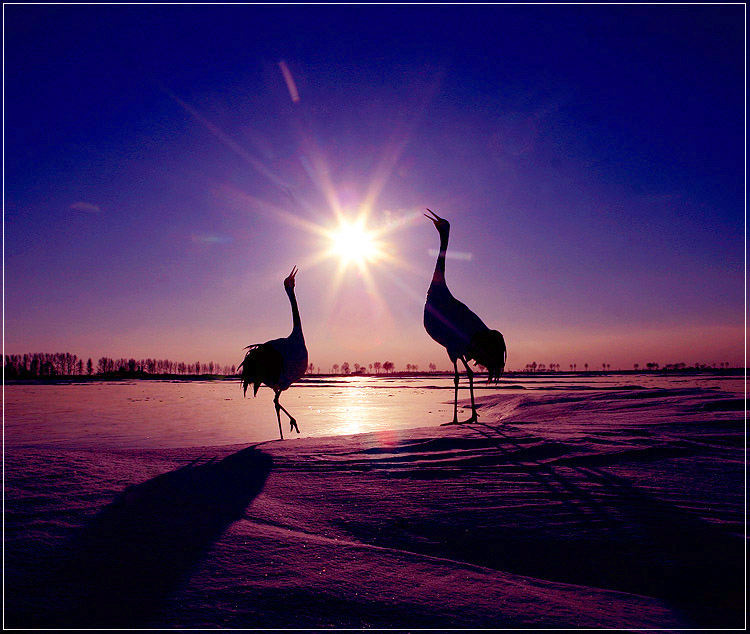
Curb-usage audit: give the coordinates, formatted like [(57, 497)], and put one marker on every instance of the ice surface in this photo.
[(143, 414), (576, 502)]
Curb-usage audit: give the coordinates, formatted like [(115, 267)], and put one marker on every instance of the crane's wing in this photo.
[(464, 319), (262, 364), (450, 322)]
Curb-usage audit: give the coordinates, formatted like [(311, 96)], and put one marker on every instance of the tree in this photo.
[(335, 368), (432, 367), (586, 367), (89, 367), (388, 366), (376, 365), (345, 367), (636, 366)]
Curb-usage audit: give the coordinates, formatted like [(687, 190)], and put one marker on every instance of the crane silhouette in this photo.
[(277, 363), (455, 327)]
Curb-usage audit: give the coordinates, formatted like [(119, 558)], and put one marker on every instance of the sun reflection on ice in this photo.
[(353, 411)]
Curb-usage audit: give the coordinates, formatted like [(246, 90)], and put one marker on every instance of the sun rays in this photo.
[(353, 243), (360, 254), (357, 243)]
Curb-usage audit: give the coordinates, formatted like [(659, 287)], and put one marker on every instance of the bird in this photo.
[(277, 363), (460, 331)]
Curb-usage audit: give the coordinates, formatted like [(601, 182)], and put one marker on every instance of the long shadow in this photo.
[(119, 570), (655, 548)]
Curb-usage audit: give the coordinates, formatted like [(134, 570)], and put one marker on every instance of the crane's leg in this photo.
[(470, 374), (455, 392), (455, 395), (277, 405), (292, 421)]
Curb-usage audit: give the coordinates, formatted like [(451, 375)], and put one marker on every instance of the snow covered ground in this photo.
[(573, 503)]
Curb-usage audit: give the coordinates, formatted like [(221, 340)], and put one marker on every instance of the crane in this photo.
[(454, 326), (277, 363)]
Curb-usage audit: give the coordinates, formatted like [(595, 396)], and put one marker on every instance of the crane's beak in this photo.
[(289, 281), (434, 217)]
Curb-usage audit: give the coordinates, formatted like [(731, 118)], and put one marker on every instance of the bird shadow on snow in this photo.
[(123, 565), (635, 542)]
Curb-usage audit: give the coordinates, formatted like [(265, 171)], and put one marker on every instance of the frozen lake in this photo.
[(160, 414), (577, 501)]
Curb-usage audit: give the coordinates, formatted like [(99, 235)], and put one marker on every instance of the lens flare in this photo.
[(352, 243)]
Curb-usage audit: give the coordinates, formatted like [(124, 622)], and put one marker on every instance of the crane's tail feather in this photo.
[(249, 369), (262, 364), (488, 348)]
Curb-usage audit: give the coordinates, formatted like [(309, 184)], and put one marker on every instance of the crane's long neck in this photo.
[(438, 277), (296, 321)]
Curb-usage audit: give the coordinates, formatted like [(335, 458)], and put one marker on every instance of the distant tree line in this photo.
[(40, 364), (724, 365), (651, 366), (379, 367), (542, 367), (43, 364), (359, 368)]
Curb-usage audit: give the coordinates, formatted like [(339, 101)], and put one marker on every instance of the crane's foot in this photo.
[(473, 419), (293, 425)]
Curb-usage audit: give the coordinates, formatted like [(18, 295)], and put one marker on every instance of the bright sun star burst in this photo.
[(352, 243)]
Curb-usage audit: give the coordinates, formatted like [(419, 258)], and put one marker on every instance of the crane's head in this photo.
[(441, 224), (289, 281), (487, 348)]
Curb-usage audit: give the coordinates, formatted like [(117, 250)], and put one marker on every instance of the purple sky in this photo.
[(164, 172)]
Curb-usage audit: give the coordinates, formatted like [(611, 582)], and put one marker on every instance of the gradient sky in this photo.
[(164, 171)]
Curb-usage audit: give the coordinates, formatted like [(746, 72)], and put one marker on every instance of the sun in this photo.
[(352, 243)]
